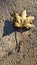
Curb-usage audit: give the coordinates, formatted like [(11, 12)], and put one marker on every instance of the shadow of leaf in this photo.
[(9, 28)]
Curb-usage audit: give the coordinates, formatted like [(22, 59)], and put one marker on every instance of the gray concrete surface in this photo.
[(10, 37)]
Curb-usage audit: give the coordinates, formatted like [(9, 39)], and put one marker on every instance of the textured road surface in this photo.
[(10, 37)]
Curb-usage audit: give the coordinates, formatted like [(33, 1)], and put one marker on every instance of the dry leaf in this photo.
[(22, 20)]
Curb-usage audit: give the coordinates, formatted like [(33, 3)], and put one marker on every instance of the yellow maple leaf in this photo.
[(22, 20)]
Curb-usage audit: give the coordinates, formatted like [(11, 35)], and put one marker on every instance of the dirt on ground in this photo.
[(10, 36)]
